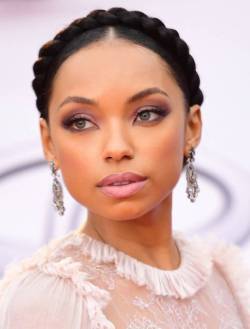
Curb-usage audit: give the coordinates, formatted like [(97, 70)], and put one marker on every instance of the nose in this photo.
[(117, 144)]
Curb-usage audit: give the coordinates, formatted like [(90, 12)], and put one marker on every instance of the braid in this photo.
[(167, 38)]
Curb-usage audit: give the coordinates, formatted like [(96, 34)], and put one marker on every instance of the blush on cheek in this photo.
[(76, 172), (168, 159)]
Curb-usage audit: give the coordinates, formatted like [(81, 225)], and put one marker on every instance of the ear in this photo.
[(193, 128), (47, 145)]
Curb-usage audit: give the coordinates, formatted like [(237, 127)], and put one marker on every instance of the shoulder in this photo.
[(43, 292), (229, 257), (232, 263)]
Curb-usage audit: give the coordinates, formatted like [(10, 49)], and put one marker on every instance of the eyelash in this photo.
[(69, 123)]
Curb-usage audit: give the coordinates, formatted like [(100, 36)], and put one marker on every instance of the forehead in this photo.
[(112, 66)]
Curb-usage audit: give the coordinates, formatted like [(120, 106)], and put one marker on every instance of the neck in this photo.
[(147, 238)]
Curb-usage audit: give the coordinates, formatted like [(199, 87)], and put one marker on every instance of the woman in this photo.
[(119, 102)]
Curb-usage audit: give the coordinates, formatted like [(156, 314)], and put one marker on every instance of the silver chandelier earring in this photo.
[(57, 191), (192, 189)]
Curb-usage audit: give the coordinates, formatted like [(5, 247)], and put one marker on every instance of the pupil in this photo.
[(81, 123), (145, 115)]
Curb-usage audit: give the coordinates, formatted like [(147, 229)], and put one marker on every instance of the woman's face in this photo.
[(110, 136)]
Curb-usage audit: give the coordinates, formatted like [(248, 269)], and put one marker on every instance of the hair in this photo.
[(134, 26)]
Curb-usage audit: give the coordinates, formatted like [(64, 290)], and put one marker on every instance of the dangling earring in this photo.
[(57, 191), (192, 189)]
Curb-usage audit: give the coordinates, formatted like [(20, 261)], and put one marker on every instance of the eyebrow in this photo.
[(137, 96)]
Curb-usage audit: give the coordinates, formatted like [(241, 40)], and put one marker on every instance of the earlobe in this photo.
[(46, 140)]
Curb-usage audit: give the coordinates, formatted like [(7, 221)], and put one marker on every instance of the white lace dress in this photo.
[(77, 282)]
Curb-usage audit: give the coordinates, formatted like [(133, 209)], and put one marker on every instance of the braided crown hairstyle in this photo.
[(130, 25)]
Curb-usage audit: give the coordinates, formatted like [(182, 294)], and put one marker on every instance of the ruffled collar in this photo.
[(191, 275)]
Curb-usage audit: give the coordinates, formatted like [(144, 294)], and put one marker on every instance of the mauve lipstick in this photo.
[(122, 185)]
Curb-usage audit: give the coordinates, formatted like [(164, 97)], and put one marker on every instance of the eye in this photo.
[(145, 114), (80, 123), (77, 123)]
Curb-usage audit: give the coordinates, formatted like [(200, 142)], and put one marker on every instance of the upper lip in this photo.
[(121, 177)]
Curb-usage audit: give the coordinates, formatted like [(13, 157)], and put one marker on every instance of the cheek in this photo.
[(77, 163), (165, 153)]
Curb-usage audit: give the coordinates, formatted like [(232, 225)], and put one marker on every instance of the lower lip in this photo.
[(121, 191)]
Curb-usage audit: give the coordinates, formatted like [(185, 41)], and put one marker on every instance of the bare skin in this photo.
[(117, 140)]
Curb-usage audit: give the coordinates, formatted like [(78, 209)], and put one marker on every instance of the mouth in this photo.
[(120, 183), (121, 179), (123, 189)]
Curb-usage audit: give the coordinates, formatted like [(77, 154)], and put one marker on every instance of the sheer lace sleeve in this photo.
[(38, 301), (58, 299), (35, 293)]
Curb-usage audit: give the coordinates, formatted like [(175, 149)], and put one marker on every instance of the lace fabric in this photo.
[(94, 285)]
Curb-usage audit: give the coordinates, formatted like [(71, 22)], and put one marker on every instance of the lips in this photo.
[(122, 178)]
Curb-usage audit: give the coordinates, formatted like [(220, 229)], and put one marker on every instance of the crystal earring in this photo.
[(192, 189), (57, 191)]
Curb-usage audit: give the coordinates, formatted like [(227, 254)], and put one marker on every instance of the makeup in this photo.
[(123, 191)]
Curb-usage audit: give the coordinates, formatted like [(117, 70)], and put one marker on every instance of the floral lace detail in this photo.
[(187, 315), (183, 282), (141, 303), (107, 262), (143, 322), (122, 292), (95, 297), (96, 271)]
